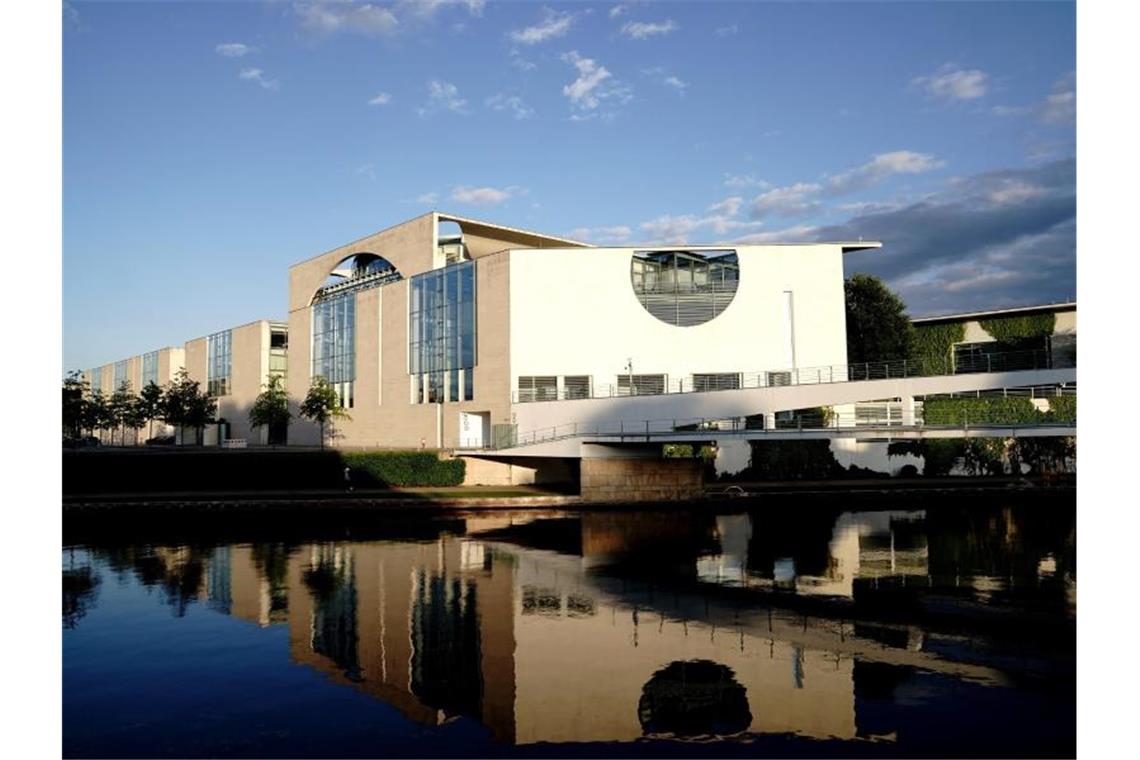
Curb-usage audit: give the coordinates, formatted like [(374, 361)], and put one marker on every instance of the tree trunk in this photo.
[(322, 436)]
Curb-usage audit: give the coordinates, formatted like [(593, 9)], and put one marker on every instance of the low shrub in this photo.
[(404, 468), (167, 470)]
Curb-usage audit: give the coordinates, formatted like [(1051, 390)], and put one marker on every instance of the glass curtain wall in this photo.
[(334, 344), (442, 334), (150, 368), (218, 364), (121, 374)]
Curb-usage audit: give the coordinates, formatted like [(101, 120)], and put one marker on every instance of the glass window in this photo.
[(640, 385), (150, 368), (577, 386), (685, 288), (716, 382), (218, 363), (334, 344), (441, 337), (121, 374), (538, 388)]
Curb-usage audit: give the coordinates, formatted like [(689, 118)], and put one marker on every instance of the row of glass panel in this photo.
[(218, 363), (441, 336), (547, 387)]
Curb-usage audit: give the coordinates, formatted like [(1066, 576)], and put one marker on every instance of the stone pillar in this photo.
[(908, 411), (769, 420), (640, 479)]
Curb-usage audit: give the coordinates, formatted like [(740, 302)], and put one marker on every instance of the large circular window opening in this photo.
[(685, 288)]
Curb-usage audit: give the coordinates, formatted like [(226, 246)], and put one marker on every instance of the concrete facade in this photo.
[(544, 307)]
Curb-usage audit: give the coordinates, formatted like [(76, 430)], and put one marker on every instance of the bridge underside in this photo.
[(648, 445)]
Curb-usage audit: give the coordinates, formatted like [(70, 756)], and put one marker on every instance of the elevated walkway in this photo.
[(560, 428)]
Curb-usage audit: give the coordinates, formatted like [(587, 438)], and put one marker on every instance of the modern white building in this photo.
[(437, 332)]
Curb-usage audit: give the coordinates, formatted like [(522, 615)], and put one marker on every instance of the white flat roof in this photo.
[(1012, 310)]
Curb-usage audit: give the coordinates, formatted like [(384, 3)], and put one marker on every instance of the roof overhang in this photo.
[(1008, 312), (861, 245), (514, 236)]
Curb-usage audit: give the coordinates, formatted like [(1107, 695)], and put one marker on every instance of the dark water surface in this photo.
[(899, 628)]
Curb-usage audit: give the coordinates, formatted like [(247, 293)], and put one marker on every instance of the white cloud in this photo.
[(618, 10), (1014, 191), (381, 99), (519, 62), (659, 74), (880, 168), (951, 83), (443, 96), (332, 17), (728, 207), (615, 234), (1060, 107), (794, 234), (793, 200), (719, 221), (428, 8), (428, 198), (553, 24), (744, 180), (258, 76), (640, 30), (480, 196), (366, 170), (512, 103), (594, 84), (803, 198), (234, 49), (726, 31)]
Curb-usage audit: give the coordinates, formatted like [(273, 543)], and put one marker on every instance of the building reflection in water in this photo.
[(601, 627)]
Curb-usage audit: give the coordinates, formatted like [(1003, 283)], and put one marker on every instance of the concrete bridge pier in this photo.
[(637, 474)]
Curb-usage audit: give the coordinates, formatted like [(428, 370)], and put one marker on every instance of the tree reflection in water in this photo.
[(80, 590), (694, 699)]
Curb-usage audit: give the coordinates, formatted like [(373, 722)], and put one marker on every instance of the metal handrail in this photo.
[(693, 427), (894, 369)]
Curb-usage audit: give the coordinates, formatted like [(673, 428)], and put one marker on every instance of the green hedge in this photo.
[(1063, 408), (990, 409), (193, 470), (404, 468)]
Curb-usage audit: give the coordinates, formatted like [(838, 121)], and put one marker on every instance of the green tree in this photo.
[(152, 399), (322, 406), (96, 413), (878, 328), (271, 409), (186, 406), (75, 392), (122, 411)]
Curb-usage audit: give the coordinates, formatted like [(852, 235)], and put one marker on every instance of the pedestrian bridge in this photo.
[(589, 427)]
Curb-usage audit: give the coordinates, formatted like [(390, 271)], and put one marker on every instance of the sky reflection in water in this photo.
[(806, 632)]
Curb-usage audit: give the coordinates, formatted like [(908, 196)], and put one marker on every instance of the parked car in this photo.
[(160, 440), (80, 443)]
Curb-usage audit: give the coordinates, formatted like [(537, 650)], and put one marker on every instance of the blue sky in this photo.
[(208, 146)]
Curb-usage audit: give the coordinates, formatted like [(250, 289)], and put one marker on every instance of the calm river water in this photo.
[(899, 628)]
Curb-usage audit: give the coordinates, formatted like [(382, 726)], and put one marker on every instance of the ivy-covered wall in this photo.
[(997, 409), (1013, 329), (931, 348)]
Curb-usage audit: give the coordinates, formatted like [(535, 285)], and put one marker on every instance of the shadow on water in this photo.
[(895, 630)]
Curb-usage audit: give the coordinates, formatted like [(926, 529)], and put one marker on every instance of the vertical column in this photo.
[(908, 411)]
